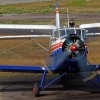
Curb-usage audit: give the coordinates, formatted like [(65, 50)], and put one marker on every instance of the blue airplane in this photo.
[(67, 53)]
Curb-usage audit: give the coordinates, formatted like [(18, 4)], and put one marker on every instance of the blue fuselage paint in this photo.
[(61, 64)]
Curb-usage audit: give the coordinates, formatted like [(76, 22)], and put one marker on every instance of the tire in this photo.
[(36, 90)]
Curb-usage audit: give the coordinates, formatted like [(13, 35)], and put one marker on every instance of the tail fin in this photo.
[(57, 16)]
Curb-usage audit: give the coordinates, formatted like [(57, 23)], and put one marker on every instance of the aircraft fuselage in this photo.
[(67, 50)]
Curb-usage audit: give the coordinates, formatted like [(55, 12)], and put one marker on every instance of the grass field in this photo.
[(26, 52), (94, 50), (22, 52)]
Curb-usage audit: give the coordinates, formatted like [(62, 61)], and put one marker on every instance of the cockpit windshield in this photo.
[(73, 31), (78, 31), (56, 34), (60, 33), (70, 31)]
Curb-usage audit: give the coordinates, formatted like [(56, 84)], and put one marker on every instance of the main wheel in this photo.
[(36, 89)]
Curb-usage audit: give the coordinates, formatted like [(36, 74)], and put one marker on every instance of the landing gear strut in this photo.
[(38, 87)]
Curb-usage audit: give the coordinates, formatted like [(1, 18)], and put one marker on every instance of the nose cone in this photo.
[(73, 47)]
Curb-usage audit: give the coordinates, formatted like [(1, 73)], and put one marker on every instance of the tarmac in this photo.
[(4, 2), (20, 88)]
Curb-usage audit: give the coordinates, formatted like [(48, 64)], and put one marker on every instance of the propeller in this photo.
[(77, 49), (72, 50), (89, 73), (46, 66), (75, 46), (55, 61)]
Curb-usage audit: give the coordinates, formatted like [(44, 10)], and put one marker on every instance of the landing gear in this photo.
[(38, 87), (36, 90)]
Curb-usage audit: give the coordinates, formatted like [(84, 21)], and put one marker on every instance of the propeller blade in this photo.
[(58, 59), (47, 68), (86, 71)]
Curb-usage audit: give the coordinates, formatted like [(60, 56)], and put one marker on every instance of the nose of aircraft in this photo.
[(75, 46)]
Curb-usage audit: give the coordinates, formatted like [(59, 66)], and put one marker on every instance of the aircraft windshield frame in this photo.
[(61, 33), (78, 31)]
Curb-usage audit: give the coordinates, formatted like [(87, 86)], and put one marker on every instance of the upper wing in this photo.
[(23, 36), (27, 31), (18, 26), (92, 25)]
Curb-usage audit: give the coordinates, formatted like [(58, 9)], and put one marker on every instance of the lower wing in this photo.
[(35, 69)]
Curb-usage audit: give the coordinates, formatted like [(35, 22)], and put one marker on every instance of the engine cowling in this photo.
[(75, 46)]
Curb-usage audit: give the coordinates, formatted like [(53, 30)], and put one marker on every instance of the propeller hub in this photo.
[(73, 47)]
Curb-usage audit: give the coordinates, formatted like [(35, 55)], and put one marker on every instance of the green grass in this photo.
[(75, 6), (46, 22), (76, 3)]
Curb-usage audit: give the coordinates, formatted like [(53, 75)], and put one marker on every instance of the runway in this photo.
[(4, 2), (20, 88)]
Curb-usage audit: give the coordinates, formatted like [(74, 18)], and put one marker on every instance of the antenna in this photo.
[(67, 17)]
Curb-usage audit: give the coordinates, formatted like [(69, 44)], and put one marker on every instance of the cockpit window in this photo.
[(84, 34), (56, 34), (65, 32), (78, 32), (81, 33), (62, 33), (74, 31), (59, 33)]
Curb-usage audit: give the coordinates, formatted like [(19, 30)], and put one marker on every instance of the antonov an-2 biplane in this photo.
[(68, 53)]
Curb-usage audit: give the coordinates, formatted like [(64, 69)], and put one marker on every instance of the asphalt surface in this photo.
[(4, 2), (80, 17), (20, 88)]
